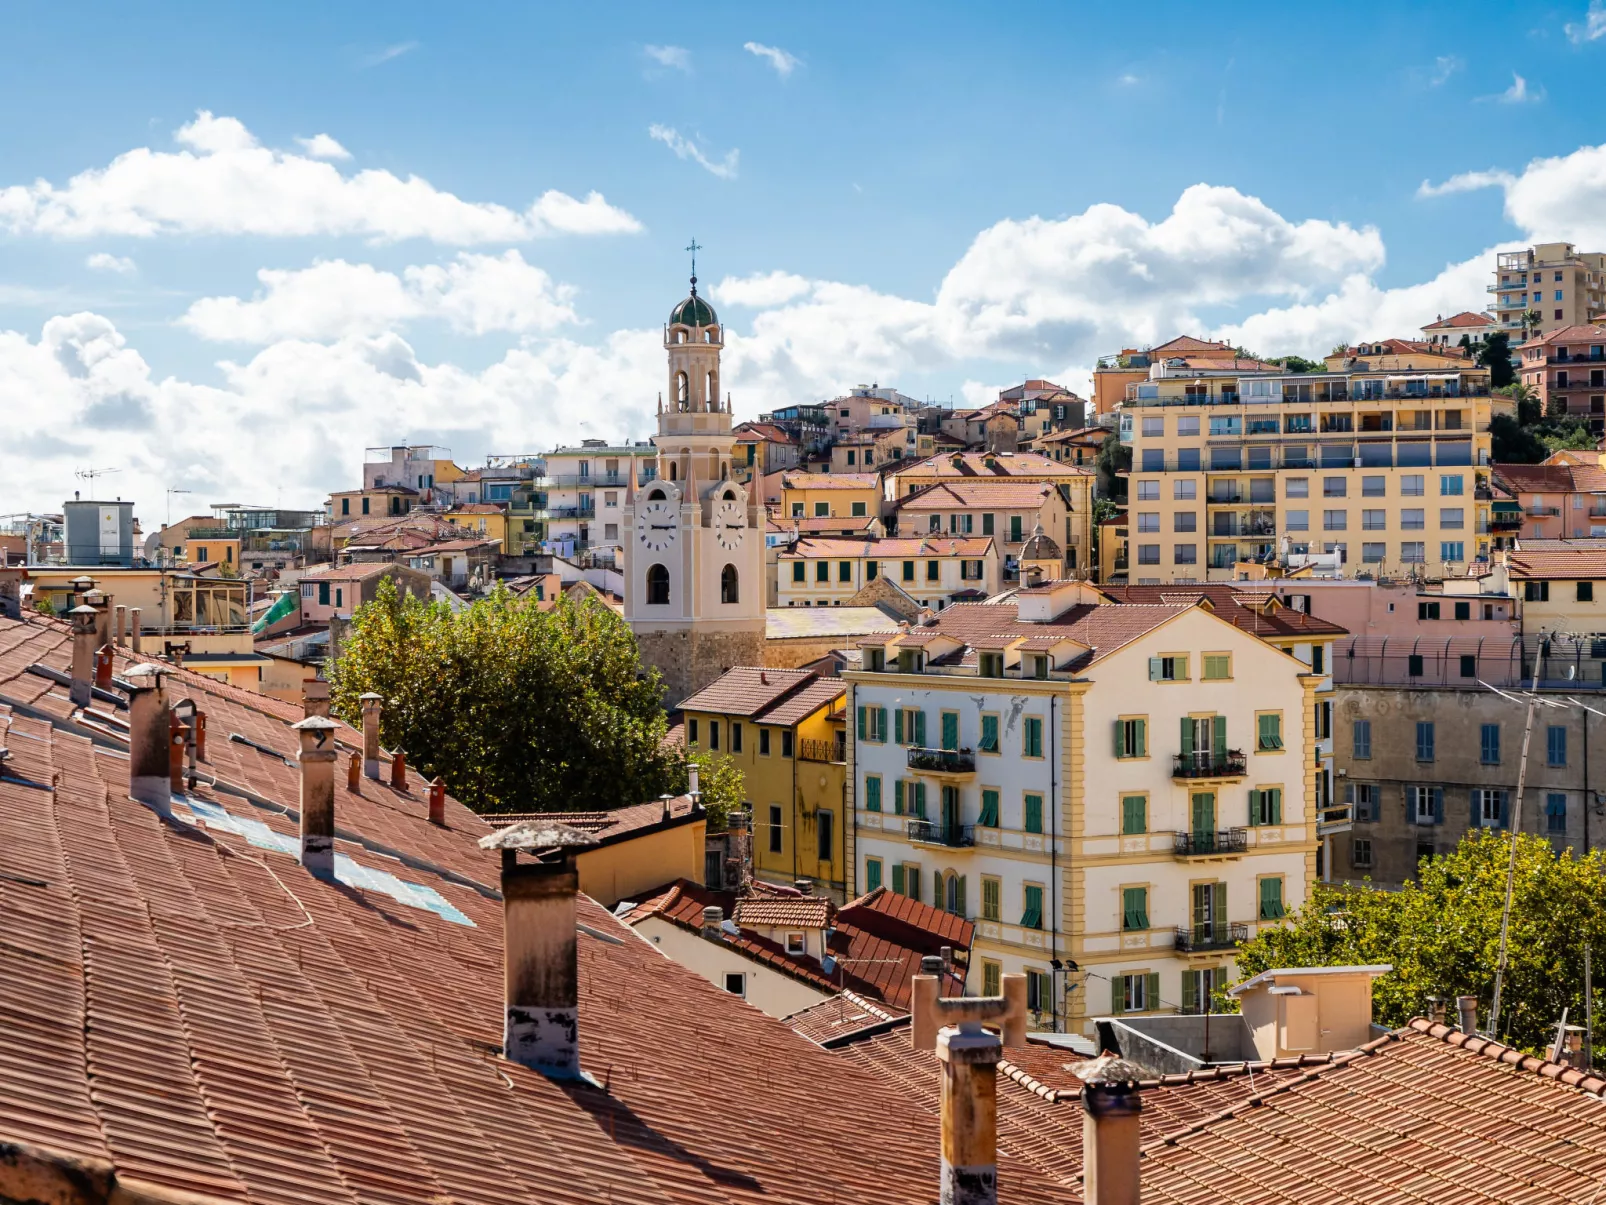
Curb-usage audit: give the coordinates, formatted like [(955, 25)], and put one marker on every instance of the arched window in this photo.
[(729, 495), (708, 335), (711, 383), (673, 475), (953, 893), (682, 389), (729, 588), (657, 495), (680, 336), (657, 586)]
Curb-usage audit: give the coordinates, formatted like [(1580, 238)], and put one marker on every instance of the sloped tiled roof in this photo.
[(1585, 477), (204, 1015), (988, 493), (988, 464), (829, 481), (1103, 628), (759, 693), (1582, 564), (842, 1016), (781, 623), (1466, 318), (894, 546), (613, 824), (1585, 333), (1244, 609), (838, 525), (1426, 1113), (799, 911)]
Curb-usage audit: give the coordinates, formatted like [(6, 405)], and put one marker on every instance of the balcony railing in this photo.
[(1504, 521), (1121, 563), (1205, 764), (942, 761), (809, 749), (933, 832), (572, 512), (1211, 842), (1543, 512), (1216, 936)]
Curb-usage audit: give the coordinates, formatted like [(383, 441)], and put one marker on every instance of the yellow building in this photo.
[(1113, 551), (1561, 587), (1562, 285), (372, 502), (486, 520), (934, 570), (204, 621), (829, 495), (786, 730), (1383, 459)]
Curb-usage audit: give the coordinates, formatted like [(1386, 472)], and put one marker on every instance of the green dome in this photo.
[(694, 311)]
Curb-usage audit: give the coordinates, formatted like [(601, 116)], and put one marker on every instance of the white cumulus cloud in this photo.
[(103, 261), (762, 290), (1593, 27), (779, 59), (322, 146), (685, 148), (1561, 198), (474, 294), (225, 182)]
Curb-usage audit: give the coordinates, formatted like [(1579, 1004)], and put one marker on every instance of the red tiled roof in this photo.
[(988, 464), (1185, 344), (1425, 1113), (1243, 608), (1585, 333), (476, 508), (842, 1016), (1103, 628), (1466, 318), (1555, 478), (613, 824), (756, 692), (838, 525), (829, 481), (779, 912), (207, 1016), (356, 571), (1569, 564), (990, 493)]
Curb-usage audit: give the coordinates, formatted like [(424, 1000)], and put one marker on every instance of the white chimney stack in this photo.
[(541, 974), (149, 732), (317, 759)]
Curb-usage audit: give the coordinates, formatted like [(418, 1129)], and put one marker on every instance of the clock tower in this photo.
[(693, 535)]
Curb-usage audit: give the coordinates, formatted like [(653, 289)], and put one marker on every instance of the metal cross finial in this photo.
[(694, 248)]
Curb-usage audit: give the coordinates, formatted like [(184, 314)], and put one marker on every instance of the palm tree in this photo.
[(1530, 324)]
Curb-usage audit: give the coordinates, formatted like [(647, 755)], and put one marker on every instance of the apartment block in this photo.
[(1564, 286), (585, 494), (1117, 794), (1006, 509), (1552, 501), (829, 496), (1382, 459), (1566, 368), (935, 571)]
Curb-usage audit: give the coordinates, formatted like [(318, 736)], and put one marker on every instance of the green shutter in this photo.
[(898, 797), (1120, 750), (912, 875), (1156, 668), (1254, 807), (898, 878), (1133, 818), (1143, 738), (920, 800), (1190, 991), (1151, 995), (950, 730), (872, 873), (881, 724), (897, 726), (989, 810), (989, 733), (1034, 813), (1118, 995), (920, 729), (862, 721), (962, 910), (1218, 905), (1187, 736), (1218, 732), (872, 794), (1276, 794)]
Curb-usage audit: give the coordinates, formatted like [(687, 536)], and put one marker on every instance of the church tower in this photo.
[(694, 536)]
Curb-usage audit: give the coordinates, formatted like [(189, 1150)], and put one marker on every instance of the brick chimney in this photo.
[(437, 802), (371, 706), (1111, 1111), (931, 1011), (149, 731), (120, 629), (315, 698), (133, 630), (969, 1056), (84, 644), (541, 973), (317, 758)]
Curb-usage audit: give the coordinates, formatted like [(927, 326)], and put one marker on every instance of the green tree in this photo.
[(1495, 355), (1562, 431), (1441, 934), (516, 708), (1300, 364), (1113, 459), (1512, 443), (45, 607), (719, 782)]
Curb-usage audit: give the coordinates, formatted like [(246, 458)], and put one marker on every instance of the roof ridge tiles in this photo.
[(1500, 1052)]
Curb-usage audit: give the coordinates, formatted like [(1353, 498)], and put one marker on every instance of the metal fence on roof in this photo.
[(1461, 662)]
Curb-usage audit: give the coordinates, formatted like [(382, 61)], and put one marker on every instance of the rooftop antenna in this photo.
[(170, 494), (89, 475)]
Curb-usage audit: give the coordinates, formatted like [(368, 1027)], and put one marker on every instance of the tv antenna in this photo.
[(170, 493), (89, 475)]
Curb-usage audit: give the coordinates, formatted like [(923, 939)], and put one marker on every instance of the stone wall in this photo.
[(690, 659)]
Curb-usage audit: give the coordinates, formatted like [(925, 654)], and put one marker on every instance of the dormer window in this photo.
[(875, 660), (910, 661), (795, 944), (1039, 667), (992, 665)]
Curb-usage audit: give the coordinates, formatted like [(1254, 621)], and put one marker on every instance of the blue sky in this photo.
[(942, 197)]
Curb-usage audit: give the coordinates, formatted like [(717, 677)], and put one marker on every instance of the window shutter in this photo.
[(1218, 904), (1254, 808), (897, 797), (1276, 805), (1218, 733), (881, 724), (920, 800), (1118, 995), (897, 725), (897, 875), (962, 910), (1190, 991), (1155, 669), (920, 729), (1143, 737), (1474, 820), (1438, 805), (1505, 815), (1187, 736), (913, 875), (862, 725), (872, 794), (1119, 726), (1151, 993)]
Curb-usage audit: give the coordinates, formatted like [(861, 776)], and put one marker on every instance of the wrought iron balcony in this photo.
[(1206, 764), (810, 749), (932, 832), (1212, 843), (1216, 936), (942, 761)]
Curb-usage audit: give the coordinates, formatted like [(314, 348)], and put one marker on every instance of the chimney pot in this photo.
[(122, 626), (372, 705), (398, 771), (176, 742), (713, 918), (84, 645), (691, 781), (542, 976), (317, 761), (315, 697), (133, 630), (969, 1056), (803, 886), (1111, 1113), (149, 771), (437, 802), (1467, 1008), (354, 773), (103, 667), (931, 964)]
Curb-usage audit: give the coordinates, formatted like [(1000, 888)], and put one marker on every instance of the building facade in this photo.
[(1117, 794), (1566, 370), (585, 495), (936, 571), (1382, 460), (694, 545), (1564, 286)]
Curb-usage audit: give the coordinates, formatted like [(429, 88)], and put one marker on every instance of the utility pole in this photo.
[(1511, 861), (1589, 1014)]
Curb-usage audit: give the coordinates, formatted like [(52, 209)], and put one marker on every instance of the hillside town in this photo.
[(1041, 711)]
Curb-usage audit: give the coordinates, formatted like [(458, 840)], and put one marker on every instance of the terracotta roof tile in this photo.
[(802, 912), (897, 546), (988, 492), (1554, 563), (1244, 609), (830, 481)]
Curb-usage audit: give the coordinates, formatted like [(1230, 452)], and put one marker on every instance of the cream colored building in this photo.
[(1382, 459), (933, 570), (1565, 286), (1006, 509), (829, 495), (1117, 794)]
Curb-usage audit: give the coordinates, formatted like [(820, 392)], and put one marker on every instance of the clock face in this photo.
[(656, 524), (729, 524)]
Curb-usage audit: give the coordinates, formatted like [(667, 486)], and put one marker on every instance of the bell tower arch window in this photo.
[(682, 390), (729, 585), (657, 586)]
